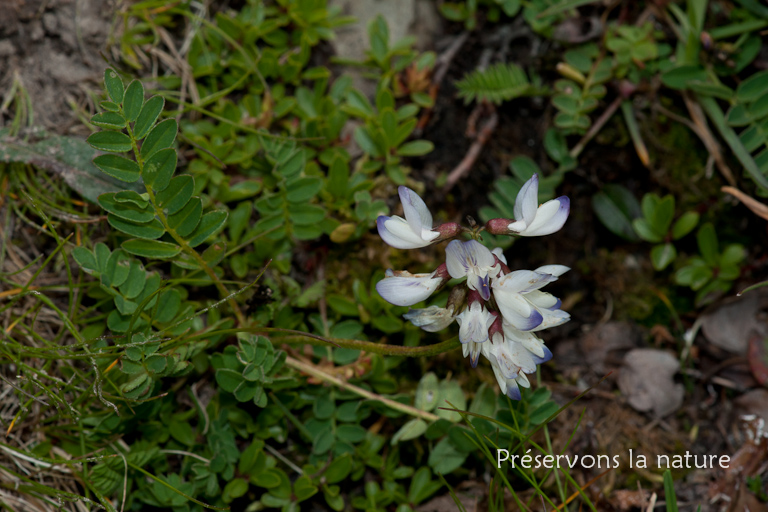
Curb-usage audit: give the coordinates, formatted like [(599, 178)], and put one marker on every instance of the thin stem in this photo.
[(319, 374)]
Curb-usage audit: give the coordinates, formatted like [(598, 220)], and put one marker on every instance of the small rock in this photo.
[(50, 22), (598, 343), (647, 380)]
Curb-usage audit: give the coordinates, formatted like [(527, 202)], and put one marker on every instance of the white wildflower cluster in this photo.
[(498, 310)]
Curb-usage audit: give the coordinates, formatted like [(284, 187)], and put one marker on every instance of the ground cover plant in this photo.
[(199, 307)]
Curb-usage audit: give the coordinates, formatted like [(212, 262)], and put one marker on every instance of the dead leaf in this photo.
[(598, 344), (626, 499), (753, 402), (647, 380), (730, 324), (758, 358), (69, 157)]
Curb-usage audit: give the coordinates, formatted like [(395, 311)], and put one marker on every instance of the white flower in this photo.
[(474, 321), (474, 260), (509, 385), (522, 305), (499, 253), (431, 319), (534, 220), (406, 289), (412, 232)]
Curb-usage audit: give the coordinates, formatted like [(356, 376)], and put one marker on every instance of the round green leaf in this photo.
[(118, 167), (133, 100), (427, 393), (410, 430), (147, 117), (151, 248), (114, 142)]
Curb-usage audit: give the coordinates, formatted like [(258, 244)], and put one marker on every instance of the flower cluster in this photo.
[(498, 310)]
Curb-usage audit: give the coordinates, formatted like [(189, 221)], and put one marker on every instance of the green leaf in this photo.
[(669, 492), (114, 84), (135, 281), (450, 391), (411, 430), (733, 254), (186, 220), (228, 379), (150, 230), (131, 197), (209, 224), (147, 117), (646, 231), (707, 240), (444, 457), (306, 214), (85, 259), (215, 253), (109, 120), (114, 142), (351, 433), (303, 189), (151, 248), (616, 207), (118, 167), (663, 215), (415, 148), (541, 413), (133, 100), (159, 168), (752, 88), (160, 137), (338, 177), (427, 393), (685, 225), (678, 78), (177, 194), (127, 211), (338, 469), (116, 271), (662, 255)]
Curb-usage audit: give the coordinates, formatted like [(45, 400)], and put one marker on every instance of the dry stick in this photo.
[(319, 374), (474, 151), (758, 208), (596, 127), (702, 130), (441, 68)]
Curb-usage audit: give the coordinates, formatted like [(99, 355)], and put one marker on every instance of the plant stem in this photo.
[(319, 374)]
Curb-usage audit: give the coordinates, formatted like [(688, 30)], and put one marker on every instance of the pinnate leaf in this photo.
[(150, 230), (176, 194), (114, 84), (159, 168), (209, 224)]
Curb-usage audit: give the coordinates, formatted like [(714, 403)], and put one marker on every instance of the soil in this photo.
[(53, 51)]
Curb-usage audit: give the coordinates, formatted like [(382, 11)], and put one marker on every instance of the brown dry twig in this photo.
[(486, 130), (753, 204)]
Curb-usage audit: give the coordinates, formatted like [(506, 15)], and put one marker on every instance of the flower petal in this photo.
[(416, 212), (499, 253), (550, 217), (527, 200), (555, 270), (407, 291), (455, 259), (396, 232), (431, 319)]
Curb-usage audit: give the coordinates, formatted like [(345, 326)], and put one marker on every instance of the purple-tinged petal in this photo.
[(513, 391), (555, 270), (407, 291), (455, 259), (546, 357)]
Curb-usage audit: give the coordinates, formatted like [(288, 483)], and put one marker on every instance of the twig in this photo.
[(758, 208), (702, 130), (474, 150), (319, 374), (596, 127)]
